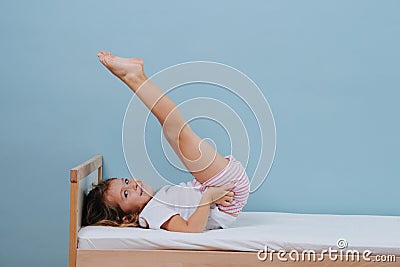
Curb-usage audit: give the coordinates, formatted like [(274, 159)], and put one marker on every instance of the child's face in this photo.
[(130, 194)]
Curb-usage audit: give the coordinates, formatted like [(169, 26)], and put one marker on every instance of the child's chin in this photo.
[(151, 191), (148, 190)]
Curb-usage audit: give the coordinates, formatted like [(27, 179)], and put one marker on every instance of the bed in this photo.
[(255, 239)]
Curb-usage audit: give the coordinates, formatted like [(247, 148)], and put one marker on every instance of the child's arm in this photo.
[(197, 222)]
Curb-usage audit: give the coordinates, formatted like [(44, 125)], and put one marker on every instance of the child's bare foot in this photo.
[(124, 68)]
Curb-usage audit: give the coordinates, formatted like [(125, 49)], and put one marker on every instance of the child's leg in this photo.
[(199, 157)]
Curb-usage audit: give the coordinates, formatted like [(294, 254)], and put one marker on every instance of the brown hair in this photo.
[(97, 211)]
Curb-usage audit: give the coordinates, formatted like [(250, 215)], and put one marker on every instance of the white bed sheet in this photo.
[(252, 231)]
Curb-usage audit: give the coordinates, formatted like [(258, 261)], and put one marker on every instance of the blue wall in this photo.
[(329, 69)]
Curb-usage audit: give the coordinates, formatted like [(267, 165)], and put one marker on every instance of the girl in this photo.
[(212, 200)]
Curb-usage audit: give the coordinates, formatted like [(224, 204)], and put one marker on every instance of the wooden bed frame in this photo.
[(79, 182)]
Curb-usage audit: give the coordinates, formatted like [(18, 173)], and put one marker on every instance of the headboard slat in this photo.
[(81, 179)]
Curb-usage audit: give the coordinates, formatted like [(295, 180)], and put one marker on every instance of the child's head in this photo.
[(117, 202)]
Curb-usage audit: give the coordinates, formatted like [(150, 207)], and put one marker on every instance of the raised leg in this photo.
[(199, 157)]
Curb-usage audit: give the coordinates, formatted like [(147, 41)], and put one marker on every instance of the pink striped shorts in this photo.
[(234, 171)]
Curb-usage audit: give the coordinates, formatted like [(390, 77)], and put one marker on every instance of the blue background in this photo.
[(329, 69)]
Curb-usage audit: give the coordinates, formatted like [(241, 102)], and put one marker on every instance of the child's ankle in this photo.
[(134, 80)]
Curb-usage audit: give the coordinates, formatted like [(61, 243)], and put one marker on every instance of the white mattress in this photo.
[(252, 231)]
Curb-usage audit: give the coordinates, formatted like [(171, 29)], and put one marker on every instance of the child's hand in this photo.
[(220, 195), (225, 200)]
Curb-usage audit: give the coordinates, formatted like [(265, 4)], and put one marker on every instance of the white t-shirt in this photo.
[(180, 199)]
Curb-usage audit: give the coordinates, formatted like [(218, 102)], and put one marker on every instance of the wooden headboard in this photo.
[(81, 179)]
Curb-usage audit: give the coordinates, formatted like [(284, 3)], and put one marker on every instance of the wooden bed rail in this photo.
[(86, 168), (77, 189)]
